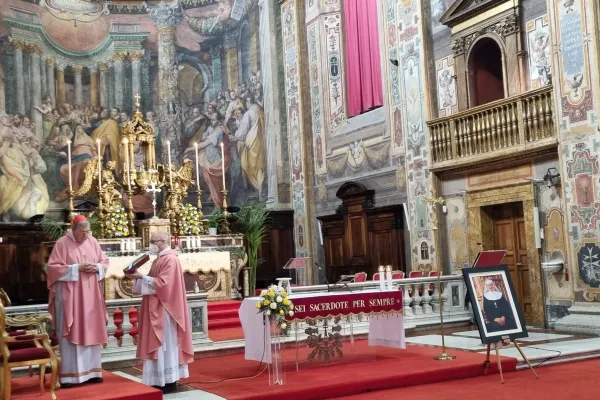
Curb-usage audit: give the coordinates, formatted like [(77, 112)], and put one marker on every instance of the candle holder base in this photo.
[(444, 356)]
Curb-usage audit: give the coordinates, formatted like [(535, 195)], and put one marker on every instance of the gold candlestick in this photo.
[(71, 215), (225, 222)]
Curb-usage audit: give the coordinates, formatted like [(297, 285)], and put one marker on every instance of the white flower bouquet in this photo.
[(275, 304)]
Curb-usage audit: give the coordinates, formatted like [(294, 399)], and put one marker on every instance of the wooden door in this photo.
[(509, 235)]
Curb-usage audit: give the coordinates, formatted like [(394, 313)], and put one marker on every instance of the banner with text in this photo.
[(346, 304)]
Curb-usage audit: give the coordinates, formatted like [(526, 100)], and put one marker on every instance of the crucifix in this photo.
[(153, 190), (137, 100)]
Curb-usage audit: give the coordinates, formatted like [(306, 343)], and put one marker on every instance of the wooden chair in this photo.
[(25, 351), (360, 277), (432, 287), (397, 274), (415, 274)]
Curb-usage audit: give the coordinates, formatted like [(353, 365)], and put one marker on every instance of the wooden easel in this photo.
[(486, 363)]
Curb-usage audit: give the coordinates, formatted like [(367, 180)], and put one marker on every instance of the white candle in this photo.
[(198, 244), (69, 161), (197, 168), (170, 170), (122, 247), (99, 166), (223, 164), (132, 244), (127, 167), (388, 276), (381, 278)]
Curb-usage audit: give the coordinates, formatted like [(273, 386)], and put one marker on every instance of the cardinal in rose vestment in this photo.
[(165, 342), (76, 269)]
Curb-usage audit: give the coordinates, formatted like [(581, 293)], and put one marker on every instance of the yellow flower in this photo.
[(281, 312), (291, 306), (258, 305), (266, 302), (284, 293), (286, 302), (271, 294)]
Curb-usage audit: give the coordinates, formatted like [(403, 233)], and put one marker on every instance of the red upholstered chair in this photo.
[(432, 287), (397, 274), (360, 277), (376, 276), (25, 351), (415, 274)]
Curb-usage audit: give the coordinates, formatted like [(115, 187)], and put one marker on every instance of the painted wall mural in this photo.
[(196, 65), (538, 42), (577, 88), (446, 89), (457, 233)]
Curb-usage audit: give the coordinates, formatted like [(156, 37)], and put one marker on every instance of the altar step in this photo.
[(223, 314)]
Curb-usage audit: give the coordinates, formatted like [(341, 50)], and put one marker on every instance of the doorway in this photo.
[(486, 72), (507, 228)]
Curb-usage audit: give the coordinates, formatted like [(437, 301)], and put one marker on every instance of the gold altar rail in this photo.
[(503, 127)]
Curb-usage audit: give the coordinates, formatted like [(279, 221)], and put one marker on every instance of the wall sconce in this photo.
[(552, 177)]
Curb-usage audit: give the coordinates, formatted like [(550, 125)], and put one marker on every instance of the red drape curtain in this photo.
[(363, 65)]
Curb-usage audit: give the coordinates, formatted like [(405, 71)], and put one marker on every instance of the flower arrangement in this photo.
[(189, 221), (275, 304), (116, 224)]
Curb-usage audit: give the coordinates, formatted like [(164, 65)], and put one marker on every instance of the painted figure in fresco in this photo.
[(49, 118), (251, 144), (193, 128), (83, 149), (540, 52), (235, 167), (14, 167), (446, 82), (109, 134), (498, 312), (209, 158), (34, 198)]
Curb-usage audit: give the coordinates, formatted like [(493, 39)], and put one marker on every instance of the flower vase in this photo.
[(212, 231), (276, 365)]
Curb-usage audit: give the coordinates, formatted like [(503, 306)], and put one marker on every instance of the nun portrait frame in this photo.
[(495, 305)]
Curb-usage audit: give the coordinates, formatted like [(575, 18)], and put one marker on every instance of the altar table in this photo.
[(386, 330)]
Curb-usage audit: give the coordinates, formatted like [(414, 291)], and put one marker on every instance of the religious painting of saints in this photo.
[(495, 305)]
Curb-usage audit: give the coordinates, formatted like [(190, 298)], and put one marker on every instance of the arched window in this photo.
[(486, 73)]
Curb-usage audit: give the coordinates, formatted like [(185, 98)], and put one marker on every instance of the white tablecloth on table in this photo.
[(384, 330)]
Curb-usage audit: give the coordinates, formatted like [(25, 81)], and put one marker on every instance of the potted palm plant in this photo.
[(214, 221), (253, 219)]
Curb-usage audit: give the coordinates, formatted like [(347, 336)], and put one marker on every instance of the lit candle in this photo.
[(197, 168), (122, 247), (388, 276), (223, 164), (125, 142), (381, 277), (170, 170), (99, 166), (69, 161)]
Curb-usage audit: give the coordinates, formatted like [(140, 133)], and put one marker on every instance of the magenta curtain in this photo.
[(363, 65)]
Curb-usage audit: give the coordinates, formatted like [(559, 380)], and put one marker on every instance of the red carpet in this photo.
[(113, 388), (558, 382), (392, 368), (223, 314), (219, 335)]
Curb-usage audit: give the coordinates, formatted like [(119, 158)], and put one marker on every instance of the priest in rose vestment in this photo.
[(76, 269), (165, 342)]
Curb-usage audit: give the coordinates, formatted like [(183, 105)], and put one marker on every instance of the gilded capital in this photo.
[(119, 57), (77, 69), (18, 44), (103, 67), (50, 61), (34, 48), (137, 56)]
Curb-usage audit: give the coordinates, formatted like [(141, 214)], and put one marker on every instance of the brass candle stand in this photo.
[(71, 215), (225, 222), (444, 356)]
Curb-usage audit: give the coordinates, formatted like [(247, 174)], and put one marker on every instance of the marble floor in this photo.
[(540, 347)]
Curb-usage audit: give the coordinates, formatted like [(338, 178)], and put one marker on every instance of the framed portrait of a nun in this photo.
[(495, 305)]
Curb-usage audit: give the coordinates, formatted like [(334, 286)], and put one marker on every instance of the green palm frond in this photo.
[(253, 219), (54, 229)]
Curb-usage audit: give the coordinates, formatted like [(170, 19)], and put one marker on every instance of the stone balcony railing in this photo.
[(501, 129)]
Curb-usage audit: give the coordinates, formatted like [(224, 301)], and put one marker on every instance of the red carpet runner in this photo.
[(113, 388), (569, 381), (223, 314), (392, 369)]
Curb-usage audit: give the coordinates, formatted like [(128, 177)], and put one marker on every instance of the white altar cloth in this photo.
[(384, 330)]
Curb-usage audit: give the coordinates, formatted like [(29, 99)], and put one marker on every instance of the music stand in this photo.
[(489, 258), (298, 266)]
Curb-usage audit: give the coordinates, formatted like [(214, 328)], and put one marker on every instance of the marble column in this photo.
[(136, 75), (103, 67), (232, 66), (77, 70), (217, 70), (19, 46), (94, 86), (61, 91), (119, 66), (271, 104), (44, 84), (167, 16), (50, 79), (36, 88)]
